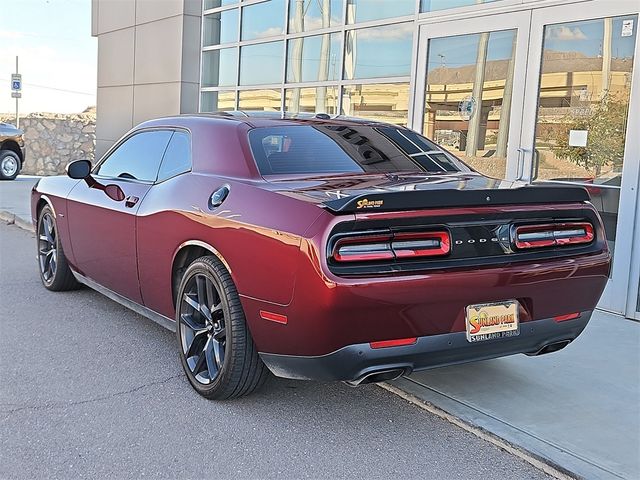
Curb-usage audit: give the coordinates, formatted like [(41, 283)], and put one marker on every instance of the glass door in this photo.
[(577, 127), (470, 89)]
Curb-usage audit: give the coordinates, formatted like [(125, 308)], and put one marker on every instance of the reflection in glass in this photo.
[(267, 100), (468, 97), (367, 10), (312, 100), (208, 4), (219, 67), (307, 15), (433, 5), (220, 27), (261, 63), (263, 20), (384, 102), (583, 105), (378, 51), (314, 59), (217, 101)]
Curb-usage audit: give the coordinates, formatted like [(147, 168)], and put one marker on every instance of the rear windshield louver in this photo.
[(391, 246), (553, 235)]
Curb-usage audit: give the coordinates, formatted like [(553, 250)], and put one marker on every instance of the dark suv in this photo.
[(12, 151)]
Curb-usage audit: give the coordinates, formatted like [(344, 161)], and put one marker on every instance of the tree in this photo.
[(606, 123)]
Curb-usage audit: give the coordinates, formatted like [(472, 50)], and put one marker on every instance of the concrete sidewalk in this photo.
[(578, 408), (15, 196)]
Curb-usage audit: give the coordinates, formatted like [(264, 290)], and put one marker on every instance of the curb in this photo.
[(551, 469), (12, 219)]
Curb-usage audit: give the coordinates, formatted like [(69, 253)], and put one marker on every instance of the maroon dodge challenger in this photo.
[(320, 248)]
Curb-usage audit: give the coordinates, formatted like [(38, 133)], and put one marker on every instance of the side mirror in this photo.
[(79, 169)]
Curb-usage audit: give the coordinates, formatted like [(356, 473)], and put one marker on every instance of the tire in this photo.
[(9, 165), (53, 266), (217, 352)]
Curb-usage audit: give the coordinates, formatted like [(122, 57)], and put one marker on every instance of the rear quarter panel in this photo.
[(256, 232)]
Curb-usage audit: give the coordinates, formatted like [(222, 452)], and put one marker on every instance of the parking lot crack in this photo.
[(64, 405)]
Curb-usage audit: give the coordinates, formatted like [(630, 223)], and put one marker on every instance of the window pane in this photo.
[(314, 59), (261, 64), (217, 3), (217, 101), (267, 100), (263, 20), (367, 10), (335, 149), (307, 15), (583, 108), (468, 97), (312, 100), (177, 158), (220, 27), (432, 5), (219, 67), (378, 51), (138, 157), (381, 102)]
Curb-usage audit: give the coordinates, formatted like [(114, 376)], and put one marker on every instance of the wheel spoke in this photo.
[(218, 352), (211, 296), (217, 311), (201, 288), (202, 359), (212, 362), (191, 302), (196, 344), (190, 322)]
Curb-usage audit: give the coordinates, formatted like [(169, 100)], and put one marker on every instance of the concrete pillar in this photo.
[(296, 55), (323, 67), (505, 110), (478, 85)]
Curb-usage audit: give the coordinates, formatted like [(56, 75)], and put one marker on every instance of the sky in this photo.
[(57, 54)]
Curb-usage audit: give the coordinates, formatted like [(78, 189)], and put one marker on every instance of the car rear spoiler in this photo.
[(437, 198)]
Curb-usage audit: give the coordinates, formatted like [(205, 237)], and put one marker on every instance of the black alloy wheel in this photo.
[(216, 348), (47, 248), (204, 331), (54, 269)]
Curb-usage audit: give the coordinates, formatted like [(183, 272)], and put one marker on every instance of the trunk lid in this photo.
[(411, 191)]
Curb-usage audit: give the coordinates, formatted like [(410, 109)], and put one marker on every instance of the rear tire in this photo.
[(216, 349), (9, 165), (54, 268)]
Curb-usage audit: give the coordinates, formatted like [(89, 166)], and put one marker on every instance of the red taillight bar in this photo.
[(401, 342), (554, 234), (568, 316), (392, 246)]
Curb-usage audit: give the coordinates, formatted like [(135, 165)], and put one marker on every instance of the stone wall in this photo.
[(55, 139)]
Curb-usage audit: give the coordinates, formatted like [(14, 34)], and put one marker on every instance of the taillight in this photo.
[(391, 246), (551, 235)]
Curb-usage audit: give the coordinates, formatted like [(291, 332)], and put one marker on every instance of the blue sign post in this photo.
[(16, 90)]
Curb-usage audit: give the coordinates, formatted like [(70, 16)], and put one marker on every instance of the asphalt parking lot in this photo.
[(90, 389)]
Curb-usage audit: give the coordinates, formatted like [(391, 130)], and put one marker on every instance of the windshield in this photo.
[(327, 149)]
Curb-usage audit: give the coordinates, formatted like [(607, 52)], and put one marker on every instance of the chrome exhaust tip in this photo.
[(377, 376), (553, 347)]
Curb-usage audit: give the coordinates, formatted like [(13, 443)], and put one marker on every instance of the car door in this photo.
[(102, 228)]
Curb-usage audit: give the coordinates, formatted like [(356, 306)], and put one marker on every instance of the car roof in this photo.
[(254, 119)]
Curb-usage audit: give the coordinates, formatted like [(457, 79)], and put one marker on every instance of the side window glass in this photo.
[(177, 158), (138, 158)]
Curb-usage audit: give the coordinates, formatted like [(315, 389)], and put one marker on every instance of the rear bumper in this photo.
[(353, 362)]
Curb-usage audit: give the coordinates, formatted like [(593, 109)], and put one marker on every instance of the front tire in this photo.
[(9, 165), (54, 268), (216, 349)]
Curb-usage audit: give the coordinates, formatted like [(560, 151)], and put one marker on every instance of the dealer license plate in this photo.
[(492, 320)]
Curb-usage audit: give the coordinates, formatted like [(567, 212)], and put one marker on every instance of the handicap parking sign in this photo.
[(16, 82)]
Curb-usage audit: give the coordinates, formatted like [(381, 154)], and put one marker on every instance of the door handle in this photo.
[(130, 201)]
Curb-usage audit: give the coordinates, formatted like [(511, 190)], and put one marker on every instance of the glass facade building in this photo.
[(529, 90)]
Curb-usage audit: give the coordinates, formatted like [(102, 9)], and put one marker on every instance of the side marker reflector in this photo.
[(274, 317), (568, 316), (401, 342)]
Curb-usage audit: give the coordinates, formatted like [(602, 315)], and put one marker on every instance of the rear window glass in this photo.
[(322, 149)]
